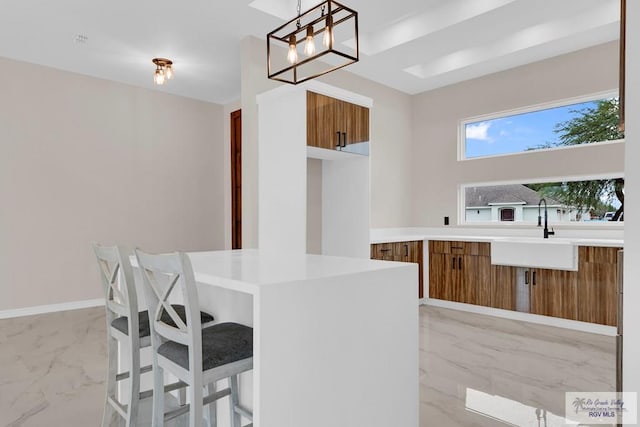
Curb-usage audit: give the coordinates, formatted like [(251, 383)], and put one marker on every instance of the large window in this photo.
[(541, 128), (576, 201)]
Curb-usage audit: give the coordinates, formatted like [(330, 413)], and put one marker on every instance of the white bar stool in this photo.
[(195, 355), (125, 325)]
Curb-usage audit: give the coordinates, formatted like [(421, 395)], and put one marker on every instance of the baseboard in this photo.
[(50, 308), (575, 325)]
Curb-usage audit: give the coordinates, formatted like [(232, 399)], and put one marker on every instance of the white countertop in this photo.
[(247, 270), (579, 237)]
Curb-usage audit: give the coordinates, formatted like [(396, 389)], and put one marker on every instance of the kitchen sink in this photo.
[(552, 253)]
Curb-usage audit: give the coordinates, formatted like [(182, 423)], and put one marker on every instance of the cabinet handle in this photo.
[(385, 250), (406, 250), (453, 264), (344, 139), (534, 278), (526, 277), (460, 263), (338, 145)]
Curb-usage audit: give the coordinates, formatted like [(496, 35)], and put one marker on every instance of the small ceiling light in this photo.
[(310, 44), (328, 39), (292, 56), (164, 70), (286, 65)]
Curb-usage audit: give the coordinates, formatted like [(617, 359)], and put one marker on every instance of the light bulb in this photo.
[(328, 39), (293, 52), (168, 72), (310, 44), (158, 78)]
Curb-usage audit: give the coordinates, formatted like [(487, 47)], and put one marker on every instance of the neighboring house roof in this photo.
[(516, 194)]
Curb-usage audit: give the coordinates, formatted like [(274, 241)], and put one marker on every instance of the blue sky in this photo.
[(516, 133)]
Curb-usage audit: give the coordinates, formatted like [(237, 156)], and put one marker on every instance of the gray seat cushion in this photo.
[(122, 324), (221, 344)]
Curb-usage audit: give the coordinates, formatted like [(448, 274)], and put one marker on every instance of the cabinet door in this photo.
[(416, 255), (597, 283), (503, 287), (356, 123), (322, 113), (554, 293), (411, 252), (475, 279), (442, 277)]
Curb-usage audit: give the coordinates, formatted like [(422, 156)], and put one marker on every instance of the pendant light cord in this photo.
[(299, 13)]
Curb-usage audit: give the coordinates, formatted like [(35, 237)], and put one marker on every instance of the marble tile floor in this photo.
[(478, 371), (475, 370)]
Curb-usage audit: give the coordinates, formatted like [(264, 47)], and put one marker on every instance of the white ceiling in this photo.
[(411, 45)]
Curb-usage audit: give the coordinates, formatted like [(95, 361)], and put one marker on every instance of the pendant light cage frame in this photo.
[(342, 46)]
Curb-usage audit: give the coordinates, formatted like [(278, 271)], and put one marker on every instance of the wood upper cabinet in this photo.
[(403, 252), (597, 285), (332, 122), (460, 271), (553, 292)]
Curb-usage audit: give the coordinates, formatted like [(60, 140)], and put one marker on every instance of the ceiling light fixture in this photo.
[(164, 70), (331, 19)]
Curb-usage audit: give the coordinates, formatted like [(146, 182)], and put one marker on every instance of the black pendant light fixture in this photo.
[(316, 42)]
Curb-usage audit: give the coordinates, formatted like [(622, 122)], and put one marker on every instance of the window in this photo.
[(507, 214), (600, 200), (592, 121)]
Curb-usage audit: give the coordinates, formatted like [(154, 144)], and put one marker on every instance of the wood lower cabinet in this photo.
[(333, 122), (404, 252), (503, 287), (460, 271), (553, 292), (597, 285)]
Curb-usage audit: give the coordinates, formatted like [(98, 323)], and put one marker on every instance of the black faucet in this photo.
[(546, 233)]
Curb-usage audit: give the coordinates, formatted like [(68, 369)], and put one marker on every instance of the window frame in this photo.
[(462, 123), (462, 222)]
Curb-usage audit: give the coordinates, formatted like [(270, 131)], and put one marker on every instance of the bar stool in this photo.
[(125, 325), (195, 355)]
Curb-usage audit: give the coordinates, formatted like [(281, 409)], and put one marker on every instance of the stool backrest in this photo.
[(163, 275), (118, 285)]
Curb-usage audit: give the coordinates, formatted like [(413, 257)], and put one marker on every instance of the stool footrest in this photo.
[(244, 412), (122, 409), (205, 401), (125, 375)]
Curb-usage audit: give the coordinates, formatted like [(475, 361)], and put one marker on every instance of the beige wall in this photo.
[(390, 141), (437, 174), (87, 160)]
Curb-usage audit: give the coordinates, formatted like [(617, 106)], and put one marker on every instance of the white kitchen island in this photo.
[(335, 339)]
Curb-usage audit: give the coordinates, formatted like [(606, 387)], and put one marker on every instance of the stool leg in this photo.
[(112, 370), (158, 396), (195, 402), (210, 413), (134, 387), (182, 396), (234, 401)]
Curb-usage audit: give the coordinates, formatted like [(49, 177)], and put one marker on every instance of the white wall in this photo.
[(87, 160), (282, 171), (314, 206), (437, 174), (632, 204), (390, 134)]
